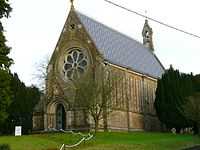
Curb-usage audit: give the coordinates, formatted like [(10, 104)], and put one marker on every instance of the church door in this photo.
[(60, 117)]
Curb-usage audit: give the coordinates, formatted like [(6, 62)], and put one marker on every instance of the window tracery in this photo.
[(75, 64)]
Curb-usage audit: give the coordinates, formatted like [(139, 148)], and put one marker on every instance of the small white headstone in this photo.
[(173, 130), (18, 130)]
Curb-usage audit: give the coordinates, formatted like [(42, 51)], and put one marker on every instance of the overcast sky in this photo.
[(35, 25)]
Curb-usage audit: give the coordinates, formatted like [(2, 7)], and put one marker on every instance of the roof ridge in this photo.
[(115, 30)]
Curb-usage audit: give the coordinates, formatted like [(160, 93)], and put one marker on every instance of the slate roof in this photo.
[(122, 50)]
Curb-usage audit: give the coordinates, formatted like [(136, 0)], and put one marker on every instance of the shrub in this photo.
[(4, 147)]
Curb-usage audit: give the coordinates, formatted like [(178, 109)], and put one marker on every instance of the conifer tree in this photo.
[(196, 82), (5, 62), (171, 93), (21, 108)]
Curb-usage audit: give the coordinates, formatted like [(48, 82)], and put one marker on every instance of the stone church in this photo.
[(82, 41)]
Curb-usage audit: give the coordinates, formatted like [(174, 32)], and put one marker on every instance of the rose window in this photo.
[(75, 64)]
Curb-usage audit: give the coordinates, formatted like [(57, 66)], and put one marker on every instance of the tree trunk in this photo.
[(96, 125), (105, 120), (178, 130), (196, 129), (85, 113)]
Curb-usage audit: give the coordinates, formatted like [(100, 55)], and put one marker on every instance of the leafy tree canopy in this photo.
[(5, 8), (5, 61)]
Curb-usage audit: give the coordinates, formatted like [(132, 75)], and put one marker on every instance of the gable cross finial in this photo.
[(72, 2), (146, 15)]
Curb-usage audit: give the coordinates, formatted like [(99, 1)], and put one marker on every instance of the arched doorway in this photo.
[(60, 117)]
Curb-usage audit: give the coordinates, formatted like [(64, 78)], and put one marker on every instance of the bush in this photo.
[(4, 147)]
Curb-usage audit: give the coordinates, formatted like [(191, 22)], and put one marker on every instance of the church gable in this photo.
[(73, 54), (73, 35)]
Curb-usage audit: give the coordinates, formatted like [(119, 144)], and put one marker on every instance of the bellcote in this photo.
[(147, 34)]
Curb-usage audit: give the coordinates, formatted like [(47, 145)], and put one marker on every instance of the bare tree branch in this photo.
[(94, 92), (40, 73)]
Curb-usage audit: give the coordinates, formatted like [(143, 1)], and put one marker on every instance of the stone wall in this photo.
[(118, 120), (133, 101), (38, 121)]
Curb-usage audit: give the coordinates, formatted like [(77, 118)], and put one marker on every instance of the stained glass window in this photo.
[(75, 64)]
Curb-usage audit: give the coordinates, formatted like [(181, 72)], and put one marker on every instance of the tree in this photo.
[(5, 94), (24, 101), (94, 94), (31, 100), (171, 93), (5, 62), (16, 100), (196, 82), (21, 107), (191, 109), (41, 73)]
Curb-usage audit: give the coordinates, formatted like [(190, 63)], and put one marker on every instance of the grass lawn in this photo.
[(103, 141)]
